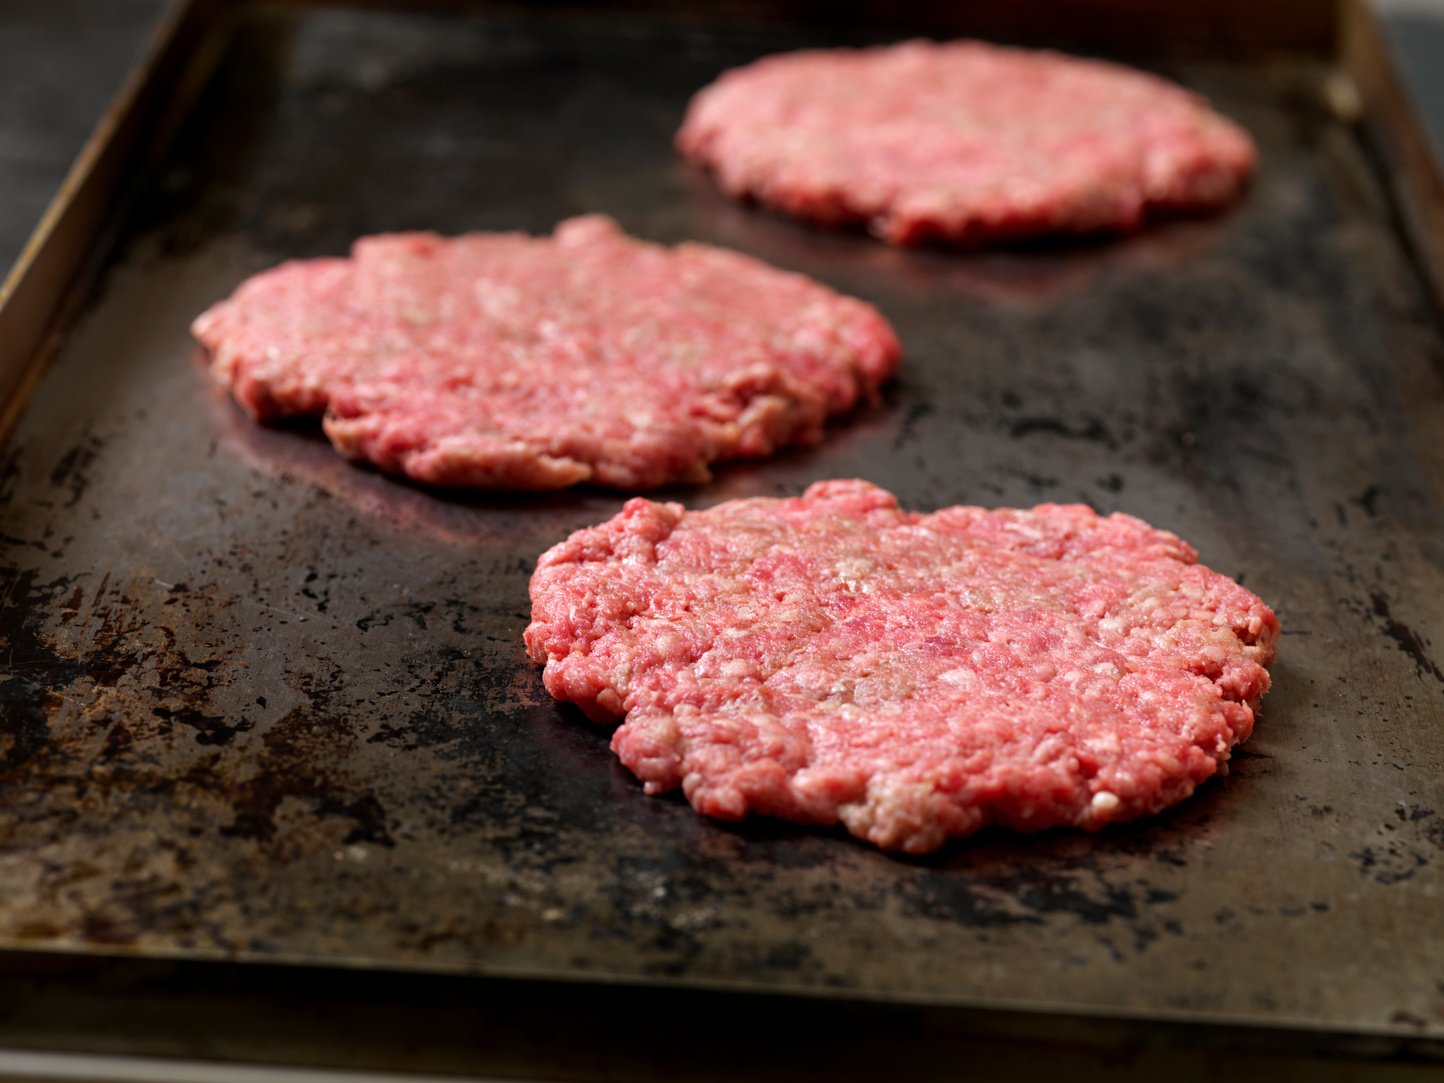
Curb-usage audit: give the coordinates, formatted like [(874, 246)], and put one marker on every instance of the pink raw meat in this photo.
[(917, 677), (509, 361), (963, 142)]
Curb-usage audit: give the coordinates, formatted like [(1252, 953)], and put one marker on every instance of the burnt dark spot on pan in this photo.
[(955, 899), (1037, 483), (1246, 760), (416, 612), (71, 472), (1405, 638), (1409, 845), (1368, 500), (291, 766), (24, 725), (1432, 834), (1407, 1018), (1412, 815), (911, 419), (1093, 430), (209, 729), (1387, 865), (112, 652), (367, 816), (141, 902), (431, 728), (768, 846), (33, 682), (1017, 894)]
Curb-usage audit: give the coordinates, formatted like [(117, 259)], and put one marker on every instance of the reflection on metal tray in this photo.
[(261, 705)]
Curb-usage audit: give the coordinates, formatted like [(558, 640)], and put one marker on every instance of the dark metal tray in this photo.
[(262, 706)]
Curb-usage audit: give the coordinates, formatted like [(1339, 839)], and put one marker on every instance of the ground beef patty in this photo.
[(508, 361), (916, 677), (963, 142)]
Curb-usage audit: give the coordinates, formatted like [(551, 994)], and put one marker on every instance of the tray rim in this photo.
[(218, 997)]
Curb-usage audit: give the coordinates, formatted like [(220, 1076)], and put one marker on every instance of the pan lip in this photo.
[(1397, 1039)]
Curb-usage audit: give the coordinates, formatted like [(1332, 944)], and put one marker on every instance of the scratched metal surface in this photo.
[(260, 704)]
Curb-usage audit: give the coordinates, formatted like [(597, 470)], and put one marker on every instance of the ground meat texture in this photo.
[(963, 142), (509, 361), (916, 677)]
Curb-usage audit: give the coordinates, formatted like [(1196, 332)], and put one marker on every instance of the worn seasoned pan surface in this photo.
[(260, 704)]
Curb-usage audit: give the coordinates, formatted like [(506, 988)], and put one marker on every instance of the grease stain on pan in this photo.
[(1405, 638), (1402, 848)]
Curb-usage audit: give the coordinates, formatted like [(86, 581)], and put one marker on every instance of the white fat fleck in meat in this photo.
[(1104, 802)]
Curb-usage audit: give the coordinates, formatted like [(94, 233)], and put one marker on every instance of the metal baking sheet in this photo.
[(261, 705)]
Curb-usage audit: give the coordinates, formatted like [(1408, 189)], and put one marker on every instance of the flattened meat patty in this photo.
[(833, 658), (963, 142), (509, 361)]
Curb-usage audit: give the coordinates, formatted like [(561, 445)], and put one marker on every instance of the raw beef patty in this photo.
[(833, 658), (508, 361), (963, 142)]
